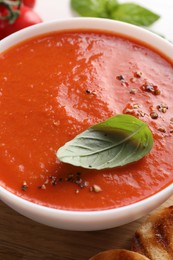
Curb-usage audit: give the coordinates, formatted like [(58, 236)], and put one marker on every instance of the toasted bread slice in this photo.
[(154, 238), (118, 254)]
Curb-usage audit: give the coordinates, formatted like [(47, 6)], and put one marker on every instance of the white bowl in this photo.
[(92, 220)]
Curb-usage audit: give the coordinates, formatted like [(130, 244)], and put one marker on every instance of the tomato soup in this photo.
[(53, 87)]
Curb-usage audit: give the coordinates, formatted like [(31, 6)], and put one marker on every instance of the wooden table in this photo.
[(24, 239)]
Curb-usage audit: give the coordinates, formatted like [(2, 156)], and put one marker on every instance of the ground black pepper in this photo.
[(162, 108), (162, 129), (137, 74), (149, 87), (120, 77), (24, 186), (154, 115)]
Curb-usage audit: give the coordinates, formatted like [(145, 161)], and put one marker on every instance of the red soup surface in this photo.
[(53, 87)]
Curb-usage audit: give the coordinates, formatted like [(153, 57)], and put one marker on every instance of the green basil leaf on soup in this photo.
[(119, 140)]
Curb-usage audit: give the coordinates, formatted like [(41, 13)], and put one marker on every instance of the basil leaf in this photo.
[(111, 5), (127, 12), (135, 14), (119, 140), (90, 8)]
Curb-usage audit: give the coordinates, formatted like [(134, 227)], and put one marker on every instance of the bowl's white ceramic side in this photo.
[(85, 221), (94, 220)]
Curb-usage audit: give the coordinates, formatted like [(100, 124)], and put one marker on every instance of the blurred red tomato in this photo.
[(30, 3), (27, 17)]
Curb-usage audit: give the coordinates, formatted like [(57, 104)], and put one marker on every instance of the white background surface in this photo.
[(58, 9)]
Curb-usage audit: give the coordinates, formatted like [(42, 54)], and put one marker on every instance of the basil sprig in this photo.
[(119, 140), (94, 8), (112, 9), (135, 14)]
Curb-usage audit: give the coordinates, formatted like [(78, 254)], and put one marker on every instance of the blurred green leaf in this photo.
[(112, 9), (90, 8), (134, 14)]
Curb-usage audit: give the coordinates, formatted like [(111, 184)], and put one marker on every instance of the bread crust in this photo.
[(154, 238), (118, 254)]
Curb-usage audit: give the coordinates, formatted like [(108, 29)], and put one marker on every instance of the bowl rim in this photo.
[(82, 23), (131, 31), (26, 203)]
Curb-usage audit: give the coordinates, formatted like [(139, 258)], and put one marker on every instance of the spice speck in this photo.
[(137, 74), (133, 91), (96, 188), (120, 77), (24, 186), (162, 108), (149, 87), (154, 115), (162, 129), (42, 187)]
